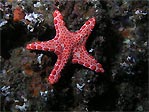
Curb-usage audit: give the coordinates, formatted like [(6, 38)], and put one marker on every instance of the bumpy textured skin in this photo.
[(67, 44)]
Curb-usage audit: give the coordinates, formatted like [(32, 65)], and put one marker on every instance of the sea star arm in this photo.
[(82, 57), (61, 61), (45, 46), (58, 20), (85, 30)]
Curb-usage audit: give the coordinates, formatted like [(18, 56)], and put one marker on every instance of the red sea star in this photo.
[(67, 44)]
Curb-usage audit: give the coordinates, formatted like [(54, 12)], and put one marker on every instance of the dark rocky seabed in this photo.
[(119, 42)]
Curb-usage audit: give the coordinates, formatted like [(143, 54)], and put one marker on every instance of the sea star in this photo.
[(68, 44)]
